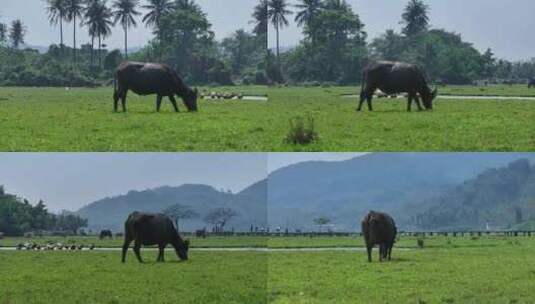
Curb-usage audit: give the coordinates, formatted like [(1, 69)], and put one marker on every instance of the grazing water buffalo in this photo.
[(153, 229), (152, 78), (106, 234), (394, 78), (379, 229), (531, 83)]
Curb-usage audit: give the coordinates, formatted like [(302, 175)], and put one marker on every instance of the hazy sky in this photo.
[(504, 26), (225, 19), (72, 180)]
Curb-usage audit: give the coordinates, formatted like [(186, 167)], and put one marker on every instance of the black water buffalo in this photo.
[(394, 78), (152, 78), (531, 83), (379, 229), (106, 234), (153, 229)]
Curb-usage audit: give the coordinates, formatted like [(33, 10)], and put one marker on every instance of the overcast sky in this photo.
[(72, 180), (225, 19), (504, 26)]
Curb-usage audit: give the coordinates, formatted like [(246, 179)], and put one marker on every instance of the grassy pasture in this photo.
[(487, 269), (99, 277), (56, 119), (454, 125)]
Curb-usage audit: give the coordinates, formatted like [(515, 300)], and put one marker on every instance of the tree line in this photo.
[(182, 38), (18, 216), (335, 47)]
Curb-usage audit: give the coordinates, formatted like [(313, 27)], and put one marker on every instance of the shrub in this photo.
[(300, 132)]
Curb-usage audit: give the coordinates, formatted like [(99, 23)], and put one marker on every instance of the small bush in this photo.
[(301, 132)]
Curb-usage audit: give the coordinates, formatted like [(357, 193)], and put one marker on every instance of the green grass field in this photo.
[(56, 119), (487, 269), (454, 125), (98, 277)]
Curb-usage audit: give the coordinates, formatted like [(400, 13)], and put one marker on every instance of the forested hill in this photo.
[(249, 204), (392, 182), (502, 198)]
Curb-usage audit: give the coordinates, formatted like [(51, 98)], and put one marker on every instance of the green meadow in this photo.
[(470, 269), (56, 119), (100, 277), (79, 119), (453, 125)]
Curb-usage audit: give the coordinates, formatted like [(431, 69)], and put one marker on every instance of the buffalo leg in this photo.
[(173, 101), (369, 100), (409, 103), (137, 247), (369, 249), (390, 251), (417, 99), (158, 103), (115, 101), (125, 248), (161, 253), (123, 100), (366, 95)]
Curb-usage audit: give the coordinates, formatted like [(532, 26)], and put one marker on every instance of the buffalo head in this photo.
[(182, 250), (190, 99), (428, 100)]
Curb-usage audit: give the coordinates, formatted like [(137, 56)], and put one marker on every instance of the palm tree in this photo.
[(415, 18), (16, 33), (260, 18), (277, 14), (101, 21), (157, 9), (307, 16), (56, 14), (74, 9), (90, 17), (3, 33), (125, 11)]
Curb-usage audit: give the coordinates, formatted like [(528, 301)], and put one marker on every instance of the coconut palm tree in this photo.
[(277, 12), (415, 18), (124, 13), (91, 11), (157, 9), (100, 20), (310, 9), (16, 33), (56, 15), (260, 18), (74, 9)]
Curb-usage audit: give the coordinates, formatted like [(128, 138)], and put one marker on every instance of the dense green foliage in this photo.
[(334, 48), (183, 39), (499, 198), (18, 216)]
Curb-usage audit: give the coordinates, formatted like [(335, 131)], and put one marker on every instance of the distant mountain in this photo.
[(498, 198), (110, 213), (393, 182)]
